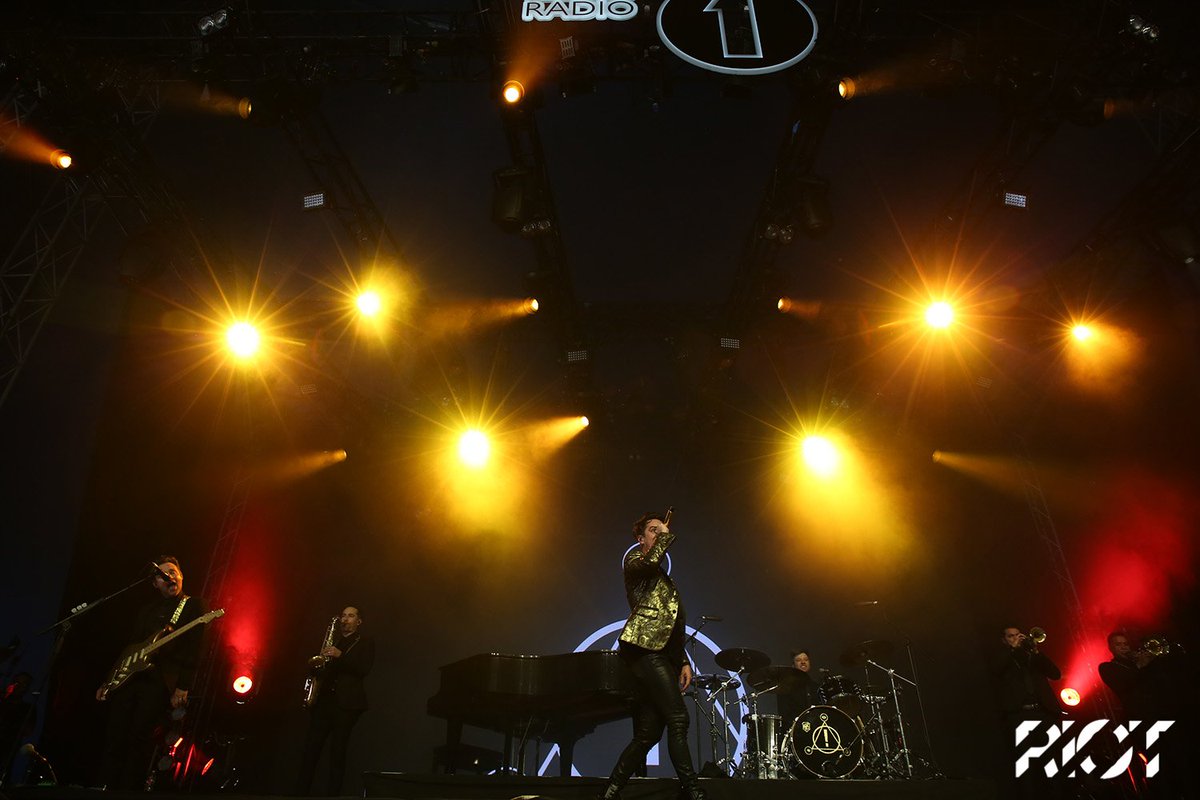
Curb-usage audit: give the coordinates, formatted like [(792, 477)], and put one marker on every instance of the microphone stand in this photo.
[(61, 628), (916, 684)]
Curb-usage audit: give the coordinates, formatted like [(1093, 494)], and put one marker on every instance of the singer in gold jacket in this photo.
[(652, 647), (653, 598)]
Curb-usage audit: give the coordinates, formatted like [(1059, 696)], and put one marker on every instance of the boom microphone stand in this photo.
[(62, 628), (916, 684)]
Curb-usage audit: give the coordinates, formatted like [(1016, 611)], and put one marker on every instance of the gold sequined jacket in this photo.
[(653, 598)]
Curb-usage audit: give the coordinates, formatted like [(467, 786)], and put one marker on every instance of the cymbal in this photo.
[(856, 655), (783, 679), (713, 682), (742, 658)]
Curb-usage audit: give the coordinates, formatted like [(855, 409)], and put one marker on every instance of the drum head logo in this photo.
[(738, 37), (824, 738)]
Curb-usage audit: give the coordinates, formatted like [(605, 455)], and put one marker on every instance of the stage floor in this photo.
[(504, 787), (406, 786)]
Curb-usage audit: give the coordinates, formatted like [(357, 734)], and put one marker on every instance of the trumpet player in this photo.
[(1023, 673), (340, 701)]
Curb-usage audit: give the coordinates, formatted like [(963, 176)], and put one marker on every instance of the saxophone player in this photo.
[(341, 700)]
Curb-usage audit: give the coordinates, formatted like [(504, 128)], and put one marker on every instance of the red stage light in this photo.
[(1069, 696), (208, 766), (243, 684)]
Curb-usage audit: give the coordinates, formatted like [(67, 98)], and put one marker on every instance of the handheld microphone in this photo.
[(667, 516), (158, 573)]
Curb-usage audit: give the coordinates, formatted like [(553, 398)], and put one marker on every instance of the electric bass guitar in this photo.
[(137, 657)]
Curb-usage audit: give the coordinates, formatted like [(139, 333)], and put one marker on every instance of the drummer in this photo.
[(804, 694)]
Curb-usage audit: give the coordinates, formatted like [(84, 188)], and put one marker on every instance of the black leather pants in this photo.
[(658, 706)]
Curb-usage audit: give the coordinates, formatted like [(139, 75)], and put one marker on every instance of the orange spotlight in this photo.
[(474, 449), (1069, 696), (784, 305), (244, 108), (1082, 332), (513, 92), (242, 339), (846, 88), (61, 159), (820, 455), (584, 422), (369, 303), (939, 315), (531, 305), (242, 684)]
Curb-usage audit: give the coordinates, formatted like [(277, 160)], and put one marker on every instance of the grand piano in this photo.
[(553, 698)]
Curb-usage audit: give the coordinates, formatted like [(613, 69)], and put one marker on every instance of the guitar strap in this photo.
[(178, 610)]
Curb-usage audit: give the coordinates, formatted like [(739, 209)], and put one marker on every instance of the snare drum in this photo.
[(826, 742), (764, 751)]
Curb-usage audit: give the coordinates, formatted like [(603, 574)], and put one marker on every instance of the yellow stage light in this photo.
[(242, 339), (532, 305), (939, 315), (1082, 332), (512, 92), (61, 159), (369, 303), (846, 88), (473, 449), (820, 455), (245, 108), (784, 305), (584, 422), (1069, 696)]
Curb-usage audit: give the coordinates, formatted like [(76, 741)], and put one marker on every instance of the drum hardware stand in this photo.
[(696, 698), (768, 757), (726, 762), (907, 771), (711, 716)]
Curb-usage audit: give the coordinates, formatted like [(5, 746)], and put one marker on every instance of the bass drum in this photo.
[(826, 742)]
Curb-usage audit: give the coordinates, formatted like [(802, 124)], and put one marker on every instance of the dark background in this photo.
[(124, 438)]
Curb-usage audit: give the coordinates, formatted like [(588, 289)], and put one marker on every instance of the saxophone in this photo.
[(316, 664)]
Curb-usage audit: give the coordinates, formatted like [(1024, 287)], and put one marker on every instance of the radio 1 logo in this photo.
[(577, 10), (1101, 748)]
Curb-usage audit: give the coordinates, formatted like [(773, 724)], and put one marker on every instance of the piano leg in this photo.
[(566, 757), (453, 740)]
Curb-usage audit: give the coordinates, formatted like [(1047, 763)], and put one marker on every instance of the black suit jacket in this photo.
[(1023, 678), (176, 662), (343, 678)]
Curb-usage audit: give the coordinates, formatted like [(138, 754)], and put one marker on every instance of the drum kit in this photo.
[(842, 732)]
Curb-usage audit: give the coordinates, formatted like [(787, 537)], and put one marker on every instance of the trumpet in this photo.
[(1035, 637), (1154, 647)]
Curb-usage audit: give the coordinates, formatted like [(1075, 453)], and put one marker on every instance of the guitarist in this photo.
[(142, 702)]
